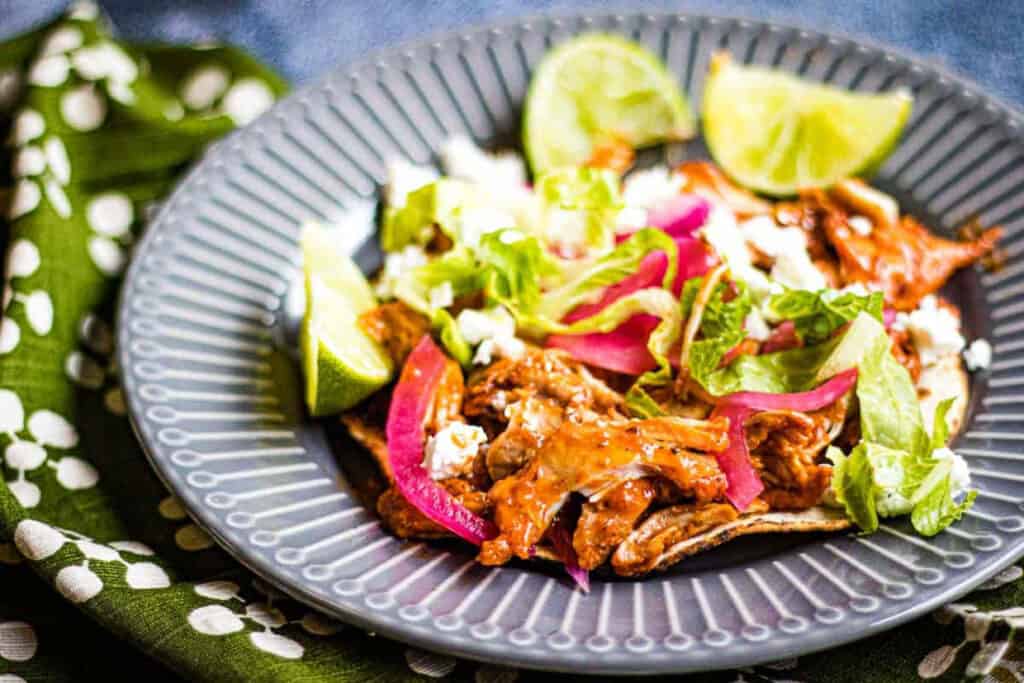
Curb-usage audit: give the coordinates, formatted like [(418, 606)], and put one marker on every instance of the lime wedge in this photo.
[(341, 363), (598, 88), (776, 134)]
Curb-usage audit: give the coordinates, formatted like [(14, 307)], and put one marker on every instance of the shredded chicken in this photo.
[(707, 180), (396, 327), (549, 373), (901, 258), (785, 446), (614, 154), (605, 523), (592, 458), (530, 422)]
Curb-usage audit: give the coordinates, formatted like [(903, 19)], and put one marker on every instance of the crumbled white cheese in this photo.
[(978, 355), (567, 226), (396, 264), (934, 330), (649, 187), (860, 224), (788, 246), (630, 219), (442, 296), (492, 331), (450, 452), (766, 236), (405, 177), (960, 476), (643, 190), (755, 326), (724, 236), (512, 236), (477, 221), (796, 271), (461, 158)]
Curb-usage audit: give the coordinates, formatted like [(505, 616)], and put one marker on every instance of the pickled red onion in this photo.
[(624, 349), (679, 216), (410, 402), (561, 542), (744, 484)]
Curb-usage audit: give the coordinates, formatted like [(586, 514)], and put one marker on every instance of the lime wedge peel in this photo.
[(341, 363), (600, 86), (775, 133)]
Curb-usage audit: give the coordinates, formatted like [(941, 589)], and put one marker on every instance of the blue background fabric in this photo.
[(981, 39)]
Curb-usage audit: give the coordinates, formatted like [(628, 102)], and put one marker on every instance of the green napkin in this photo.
[(98, 130)]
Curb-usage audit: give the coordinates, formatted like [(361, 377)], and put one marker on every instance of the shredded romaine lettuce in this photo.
[(610, 269), (897, 468), (451, 338), (721, 325), (581, 206), (512, 267), (438, 203), (890, 413), (817, 315), (457, 267)]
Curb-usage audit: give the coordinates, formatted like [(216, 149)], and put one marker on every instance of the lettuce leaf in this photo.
[(817, 315), (610, 269), (580, 187), (935, 508), (781, 372), (436, 203), (940, 427), (513, 265), (457, 266), (660, 303), (451, 338), (798, 369), (895, 469), (721, 326), (640, 404), (890, 414), (581, 203)]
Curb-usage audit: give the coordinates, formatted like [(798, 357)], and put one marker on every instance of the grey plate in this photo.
[(204, 312)]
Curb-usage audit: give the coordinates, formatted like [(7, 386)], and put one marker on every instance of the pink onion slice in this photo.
[(679, 216), (695, 259), (410, 402), (781, 338), (624, 349), (825, 394), (648, 274), (561, 543), (744, 484)]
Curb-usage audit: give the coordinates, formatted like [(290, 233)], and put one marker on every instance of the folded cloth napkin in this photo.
[(97, 131)]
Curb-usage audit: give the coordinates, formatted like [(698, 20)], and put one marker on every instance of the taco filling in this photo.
[(607, 365)]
